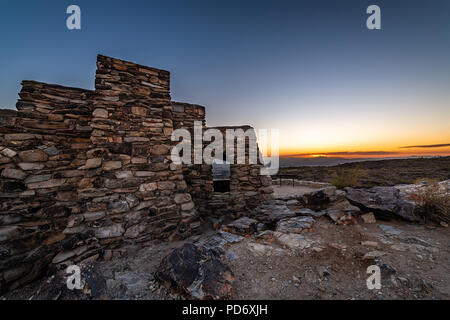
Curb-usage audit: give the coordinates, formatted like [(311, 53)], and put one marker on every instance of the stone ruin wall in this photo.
[(247, 187), (84, 172)]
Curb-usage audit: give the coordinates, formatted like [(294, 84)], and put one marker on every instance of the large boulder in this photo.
[(271, 213), (196, 272), (384, 202), (242, 226), (295, 225), (319, 199)]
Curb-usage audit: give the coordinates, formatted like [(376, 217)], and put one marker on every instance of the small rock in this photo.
[(323, 271), (100, 113), (369, 243), (340, 217), (112, 165), (93, 163), (13, 174), (107, 256), (337, 246), (368, 218), (372, 255), (8, 153), (33, 156), (292, 240)]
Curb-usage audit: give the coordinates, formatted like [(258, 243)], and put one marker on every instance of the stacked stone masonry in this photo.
[(84, 172)]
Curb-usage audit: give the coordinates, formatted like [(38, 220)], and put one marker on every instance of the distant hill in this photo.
[(387, 172), (287, 162)]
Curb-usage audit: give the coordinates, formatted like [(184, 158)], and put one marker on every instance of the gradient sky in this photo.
[(308, 68)]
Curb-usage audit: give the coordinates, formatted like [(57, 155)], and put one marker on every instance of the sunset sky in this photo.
[(308, 68)]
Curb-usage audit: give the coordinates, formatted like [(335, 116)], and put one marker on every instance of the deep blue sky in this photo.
[(309, 68)]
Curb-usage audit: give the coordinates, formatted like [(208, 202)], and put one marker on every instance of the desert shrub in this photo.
[(433, 201), (347, 177)]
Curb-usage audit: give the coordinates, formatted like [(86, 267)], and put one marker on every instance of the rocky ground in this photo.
[(307, 244)]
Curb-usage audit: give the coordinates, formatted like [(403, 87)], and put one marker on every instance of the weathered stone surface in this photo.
[(292, 202), (118, 206), (166, 185), (63, 256), (292, 240), (390, 230), (373, 255), (242, 226), (13, 174), (8, 152), (187, 206), (141, 111), (309, 212), (47, 184), (93, 163), (20, 136), (295, 225), (271, 213), (196, 272), (368, 218), (218, 241), (35, 155), (123, 174), (383, 201), (369, 244), (160, 150), (341, 217), (67, 196), (151, 186), (132, 200), (319, 199), (51, 151), (9, 232), (112, 165), (115, 230), (100, 113), (182, 198), (31, 166)]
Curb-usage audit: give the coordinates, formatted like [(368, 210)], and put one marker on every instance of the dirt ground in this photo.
[(414, 264)]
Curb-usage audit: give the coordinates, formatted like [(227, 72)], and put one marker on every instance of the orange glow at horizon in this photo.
[(363, 138), (361, 152), (443, 151), (367, 133)]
